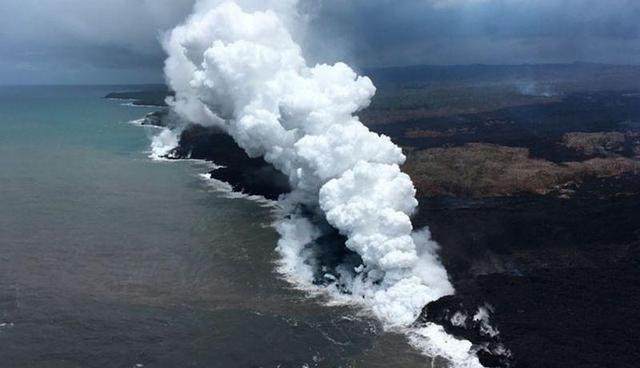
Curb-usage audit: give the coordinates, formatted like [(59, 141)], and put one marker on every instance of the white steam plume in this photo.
[(239, 68)]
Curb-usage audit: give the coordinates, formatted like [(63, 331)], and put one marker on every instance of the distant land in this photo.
[(530, 79), (154, 96), (495, 73)]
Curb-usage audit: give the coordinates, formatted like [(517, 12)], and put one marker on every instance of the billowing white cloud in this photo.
[(242, 71)]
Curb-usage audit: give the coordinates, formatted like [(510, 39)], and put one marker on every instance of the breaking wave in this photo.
[(163, 143)]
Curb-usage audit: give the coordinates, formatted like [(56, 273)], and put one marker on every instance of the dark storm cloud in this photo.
[(386, 32), (117, 41), (107, 41)]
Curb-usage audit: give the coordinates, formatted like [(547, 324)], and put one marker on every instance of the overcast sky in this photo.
[(116, 41)]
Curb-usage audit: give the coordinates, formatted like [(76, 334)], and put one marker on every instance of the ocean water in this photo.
[(111, 259)]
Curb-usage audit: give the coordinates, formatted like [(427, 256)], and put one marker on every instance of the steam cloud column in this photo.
[(242, 71)]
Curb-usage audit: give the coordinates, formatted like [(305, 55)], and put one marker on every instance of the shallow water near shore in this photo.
[(109, 259)]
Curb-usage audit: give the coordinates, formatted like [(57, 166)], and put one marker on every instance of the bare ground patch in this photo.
[(486, 170)]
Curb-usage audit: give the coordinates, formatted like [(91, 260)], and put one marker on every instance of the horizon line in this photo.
[(90, 84)]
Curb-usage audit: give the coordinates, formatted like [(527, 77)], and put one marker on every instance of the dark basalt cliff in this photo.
[(244, 173)]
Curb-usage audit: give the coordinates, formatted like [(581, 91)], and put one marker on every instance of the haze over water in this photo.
[(110, 259)]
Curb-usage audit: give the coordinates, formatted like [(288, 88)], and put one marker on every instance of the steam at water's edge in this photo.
[(243, 72)]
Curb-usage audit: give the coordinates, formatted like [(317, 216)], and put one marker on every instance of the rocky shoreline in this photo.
[(542, 238), (245, 174)]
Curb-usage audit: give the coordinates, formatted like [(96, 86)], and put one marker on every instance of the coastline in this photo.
[(520, 254)]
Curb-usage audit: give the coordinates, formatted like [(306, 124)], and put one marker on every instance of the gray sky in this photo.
[(116, 41)]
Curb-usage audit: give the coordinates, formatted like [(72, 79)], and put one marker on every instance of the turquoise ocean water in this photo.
[(110, 259)]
